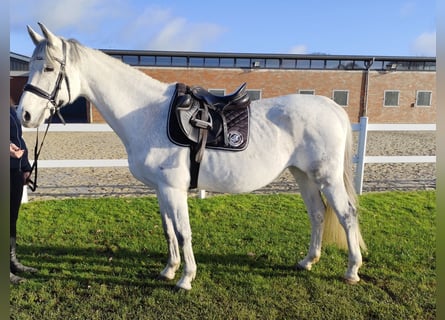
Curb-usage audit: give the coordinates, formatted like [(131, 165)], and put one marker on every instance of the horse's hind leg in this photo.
[(316, 210), (175, 219), (344, 207)]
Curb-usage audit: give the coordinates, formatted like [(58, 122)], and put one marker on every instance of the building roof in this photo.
[(151, 58)]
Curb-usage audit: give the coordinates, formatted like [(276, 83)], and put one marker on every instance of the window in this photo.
[(288, 63), (304, 91), (417, 65), (341, 97), (131, 60), (258, 63), (18, 65), (402, 65), (196, 62), (227, 62), (430, 65), (147, 60), (272, 63), (242, 63), (179, 61), (391, 98), (303, 64), (217, 92), (390, 65), (211, 62), (163, 61), (377, 65), (359, 64), (332, 64), (254, 94), (317, 64), (347, 65), (423, 98)]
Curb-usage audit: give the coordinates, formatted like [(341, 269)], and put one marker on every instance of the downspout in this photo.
[(368, 64)]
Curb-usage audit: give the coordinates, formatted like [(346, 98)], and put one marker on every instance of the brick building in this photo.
[(386, 89)]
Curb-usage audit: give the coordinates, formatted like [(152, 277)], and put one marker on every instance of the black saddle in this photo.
[(238, 99), (198, 119)]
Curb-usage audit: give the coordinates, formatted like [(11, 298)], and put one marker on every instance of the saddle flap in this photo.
[(192, 118), (184, 114)]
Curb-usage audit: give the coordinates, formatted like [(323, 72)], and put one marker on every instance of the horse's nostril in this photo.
[(26, 116)]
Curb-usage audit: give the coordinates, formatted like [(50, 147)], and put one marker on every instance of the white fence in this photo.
[(359, 159)]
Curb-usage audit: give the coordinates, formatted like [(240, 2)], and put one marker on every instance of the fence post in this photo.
[(25, 194), (361, 153), (202, 194)]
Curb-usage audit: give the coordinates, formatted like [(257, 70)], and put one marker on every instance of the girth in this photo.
[(198, 119)]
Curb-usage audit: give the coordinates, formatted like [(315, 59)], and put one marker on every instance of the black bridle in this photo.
[(54, 109), (52, 97)]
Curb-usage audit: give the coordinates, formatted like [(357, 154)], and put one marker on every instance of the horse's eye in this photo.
[(48, 69)]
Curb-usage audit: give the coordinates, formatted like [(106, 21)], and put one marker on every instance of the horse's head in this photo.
[(47, 89)]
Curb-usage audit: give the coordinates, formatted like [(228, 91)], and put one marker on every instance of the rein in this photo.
[(32, 184)]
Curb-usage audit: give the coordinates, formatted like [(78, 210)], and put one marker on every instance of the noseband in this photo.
[(52, 97)]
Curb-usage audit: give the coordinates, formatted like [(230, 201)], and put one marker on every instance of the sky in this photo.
[(380, 28)]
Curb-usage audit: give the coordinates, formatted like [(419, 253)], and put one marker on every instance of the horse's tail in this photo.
[(333, 230)]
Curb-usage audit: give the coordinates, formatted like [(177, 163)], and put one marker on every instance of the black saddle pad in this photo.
[(236, 120)]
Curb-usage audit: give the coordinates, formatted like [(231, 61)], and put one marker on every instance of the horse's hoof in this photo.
[(299, 267), (163, 278), (352, 280), (184, 285), (13, 279), (180, 290)]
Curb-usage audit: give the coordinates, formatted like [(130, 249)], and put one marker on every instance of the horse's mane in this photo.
[(49, 55), (74, 49), (75, 53)]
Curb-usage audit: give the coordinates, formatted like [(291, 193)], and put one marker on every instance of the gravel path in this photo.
[(58, 183)]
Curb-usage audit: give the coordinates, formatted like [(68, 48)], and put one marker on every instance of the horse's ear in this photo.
[(35, 37), (48, 34)]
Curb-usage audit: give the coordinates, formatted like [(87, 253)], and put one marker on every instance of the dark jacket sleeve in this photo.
[(25, 164), (15, 136)]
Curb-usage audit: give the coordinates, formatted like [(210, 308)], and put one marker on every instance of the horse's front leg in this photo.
[(175, 219), (174, 258)]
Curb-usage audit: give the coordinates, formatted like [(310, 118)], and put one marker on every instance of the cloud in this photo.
[(114, 24), (163, 30), (408, 9), (76, 14), (425, 44), (298, 49), (179, 34)]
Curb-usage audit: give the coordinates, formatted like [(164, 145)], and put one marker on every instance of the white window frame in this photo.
[(398, 99), (429, 102), (347, 96)]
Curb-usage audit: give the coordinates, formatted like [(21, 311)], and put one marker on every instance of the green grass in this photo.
[(99, 259)]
